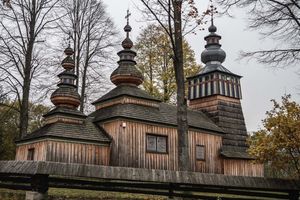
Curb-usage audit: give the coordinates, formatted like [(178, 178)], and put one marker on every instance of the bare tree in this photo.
[(275, 19), (22, 25), (93, 36), (174, 16)]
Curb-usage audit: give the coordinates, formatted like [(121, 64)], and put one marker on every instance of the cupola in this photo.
[(127, 73), (66, 94)]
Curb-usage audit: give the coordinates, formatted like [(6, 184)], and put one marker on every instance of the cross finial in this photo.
[(127, 16), (212, 11)]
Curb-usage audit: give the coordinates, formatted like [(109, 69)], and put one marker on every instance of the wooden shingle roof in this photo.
[(88, 131), (164, 114), (126, 90)]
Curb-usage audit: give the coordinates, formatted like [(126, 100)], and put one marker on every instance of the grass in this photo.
[(73, 194)]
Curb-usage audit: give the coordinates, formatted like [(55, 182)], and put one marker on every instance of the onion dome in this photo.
[(66, 94), (213, 51), (127, 73)]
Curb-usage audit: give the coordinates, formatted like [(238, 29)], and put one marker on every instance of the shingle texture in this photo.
[(235, 152), (65, 111), (164, 114), (87, 131), (210, 67), (126, 90), (230, 118), (66, 91)]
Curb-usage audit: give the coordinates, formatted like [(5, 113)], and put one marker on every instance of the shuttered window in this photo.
[(157, 143), (200, 152)]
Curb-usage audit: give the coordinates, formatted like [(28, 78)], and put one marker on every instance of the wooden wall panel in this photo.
[(39, 154), (127, 100), (129, 147), (70, 152), (78, 153), (243, 168), (212, 143)]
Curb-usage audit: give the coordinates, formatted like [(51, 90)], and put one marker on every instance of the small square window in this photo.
[(156, 144), (200, 152), (30, 155)]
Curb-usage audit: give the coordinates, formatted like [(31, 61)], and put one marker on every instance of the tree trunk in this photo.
[(83, 84), (181, 101), (165, 80), (24, 107), (151, 75)]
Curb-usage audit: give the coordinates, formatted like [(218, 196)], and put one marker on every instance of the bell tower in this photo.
[(216, 91)]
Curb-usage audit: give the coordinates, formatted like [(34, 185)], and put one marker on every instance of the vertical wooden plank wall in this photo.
[(129, 147), (69, 152), (39, 148), (242, 168), (77, 153), (213, 162)]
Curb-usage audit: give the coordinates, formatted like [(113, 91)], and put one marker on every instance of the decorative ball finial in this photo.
[(127, 43), (212, 10), (68, 62)]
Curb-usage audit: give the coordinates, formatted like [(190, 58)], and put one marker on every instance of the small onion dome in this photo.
[(68, 62), (212, 53), (127, 75), (127, 43), (65, 97), (212, 28), (69, 51), (127, 28)]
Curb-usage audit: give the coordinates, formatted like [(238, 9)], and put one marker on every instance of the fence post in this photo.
[(294, 195), (39, 186)]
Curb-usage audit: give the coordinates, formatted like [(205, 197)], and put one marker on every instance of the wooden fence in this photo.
[(39, 176)]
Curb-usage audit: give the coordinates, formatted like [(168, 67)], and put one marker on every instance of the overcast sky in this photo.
[(260, 83)]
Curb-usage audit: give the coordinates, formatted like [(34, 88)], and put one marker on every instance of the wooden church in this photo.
[(130, 128)]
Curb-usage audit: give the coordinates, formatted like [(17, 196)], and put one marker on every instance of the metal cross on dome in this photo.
[(127, 16), (212, 11)]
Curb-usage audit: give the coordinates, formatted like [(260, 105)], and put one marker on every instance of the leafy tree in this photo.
[(278, 143), (9, 117), (36, 112), (155, 61), (276, 19)]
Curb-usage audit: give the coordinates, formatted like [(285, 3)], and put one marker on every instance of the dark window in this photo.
[(30, 155), (200, 152), (157, 143)]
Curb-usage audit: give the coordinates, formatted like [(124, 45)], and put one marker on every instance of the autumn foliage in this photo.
[(278, 143)]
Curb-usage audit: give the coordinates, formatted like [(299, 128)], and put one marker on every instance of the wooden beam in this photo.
[(147, 175)]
